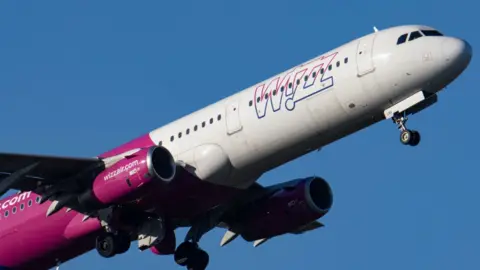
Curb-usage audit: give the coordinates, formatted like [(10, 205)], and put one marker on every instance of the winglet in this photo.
[(228, 237), (259, 242)]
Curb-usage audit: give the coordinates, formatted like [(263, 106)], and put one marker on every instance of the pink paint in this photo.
[(111, 185), (30, 240), (143, 141), (62, 236)]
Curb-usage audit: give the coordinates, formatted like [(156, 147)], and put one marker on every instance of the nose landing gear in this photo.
[(190, 255), (407, 137)]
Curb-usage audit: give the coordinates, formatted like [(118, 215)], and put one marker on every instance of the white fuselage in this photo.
[(237, 139)]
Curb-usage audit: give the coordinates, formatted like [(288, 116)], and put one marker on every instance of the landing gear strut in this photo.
[(109, 244), (190, 255), (407, 137)]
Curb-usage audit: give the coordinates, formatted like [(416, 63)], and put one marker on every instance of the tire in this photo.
[(199, 260), (105, 245), (415, 140), (122, 243), (184, 253)]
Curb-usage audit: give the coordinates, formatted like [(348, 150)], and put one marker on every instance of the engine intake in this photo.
[(161, 163), (319, 194)]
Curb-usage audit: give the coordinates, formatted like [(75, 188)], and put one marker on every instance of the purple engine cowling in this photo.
[(286, 210), (131, 175)]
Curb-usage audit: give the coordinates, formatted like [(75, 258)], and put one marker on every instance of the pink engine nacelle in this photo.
[(286, 210), (130, 175)]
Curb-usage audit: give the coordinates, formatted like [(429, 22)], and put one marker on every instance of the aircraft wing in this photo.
[(37, 173)]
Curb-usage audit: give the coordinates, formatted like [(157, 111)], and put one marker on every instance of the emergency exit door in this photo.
[(232, 118)]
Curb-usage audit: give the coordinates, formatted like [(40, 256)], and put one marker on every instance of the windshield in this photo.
[(431, 33)]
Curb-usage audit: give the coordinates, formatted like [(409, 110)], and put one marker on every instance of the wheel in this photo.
[(184, 252), (105, 245), (406, 136), (415, 138), (122, 244), (199, 260)]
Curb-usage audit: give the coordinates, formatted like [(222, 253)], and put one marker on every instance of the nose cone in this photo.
[(457, 53)]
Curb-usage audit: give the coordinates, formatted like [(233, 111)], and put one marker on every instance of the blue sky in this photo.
[(79, 77)]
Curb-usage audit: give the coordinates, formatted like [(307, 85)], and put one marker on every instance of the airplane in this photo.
[(200, 171)]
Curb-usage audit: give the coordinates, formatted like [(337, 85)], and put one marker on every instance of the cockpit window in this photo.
[(414, 35), (431, 33), (402, 39)]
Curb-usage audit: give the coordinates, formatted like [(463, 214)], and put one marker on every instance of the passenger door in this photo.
[(364, 59)]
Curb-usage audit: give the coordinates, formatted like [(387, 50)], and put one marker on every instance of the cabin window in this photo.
[(14, 210), (219, 117), (258, 99), (314, 74), (179, 135), (275, 92), (338, 63), (22, 206), (305, 78), (298, 81), (414, 35), (266, 96), (322, 71), (6, 213), (172, 138), (290, 85), (211, 120), (250, 103), (30, 203), (188, 131), (330, 67), (160, 143), (203, 124), (345, 60), (281, 89), (37, 200), (195, 128)]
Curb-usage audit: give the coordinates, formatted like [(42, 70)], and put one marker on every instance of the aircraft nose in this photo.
[(457, 52)]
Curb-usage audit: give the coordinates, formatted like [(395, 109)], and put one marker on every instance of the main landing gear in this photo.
[(190, 255), (110, 244), (407, 137)]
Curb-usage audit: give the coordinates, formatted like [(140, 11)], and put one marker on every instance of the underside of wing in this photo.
[(27, 172)]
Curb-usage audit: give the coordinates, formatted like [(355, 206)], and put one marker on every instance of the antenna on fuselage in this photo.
[(375, 29)]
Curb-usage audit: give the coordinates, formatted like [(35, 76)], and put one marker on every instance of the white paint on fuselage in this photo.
[(377, 74)]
